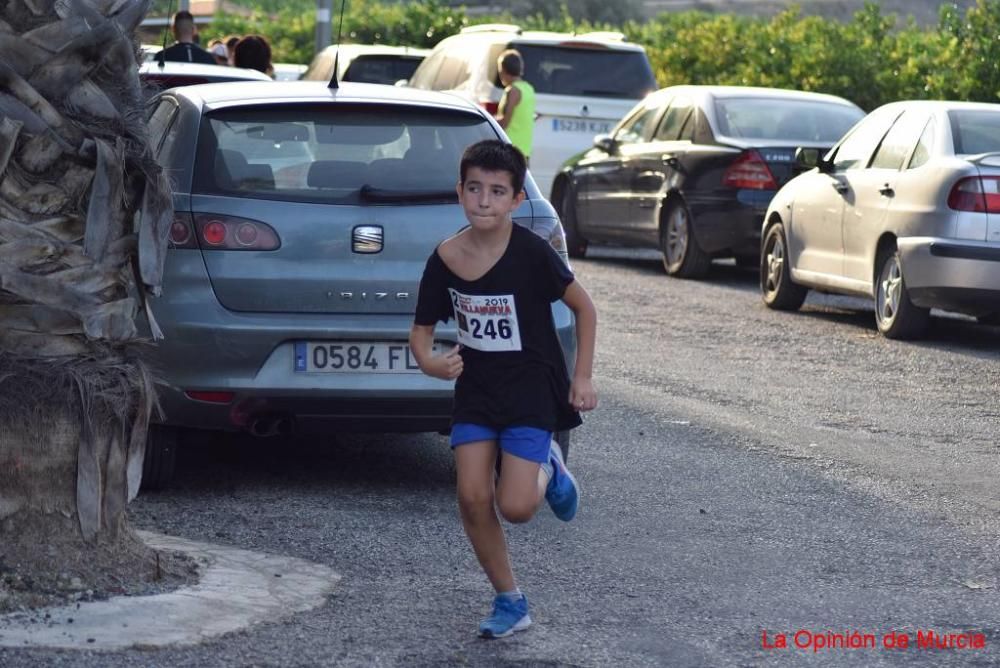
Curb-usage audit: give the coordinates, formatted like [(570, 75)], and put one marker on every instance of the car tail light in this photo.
[(217, 232), (749, 171), (490, 106), (976, 193), (210, 397), (182, 232)]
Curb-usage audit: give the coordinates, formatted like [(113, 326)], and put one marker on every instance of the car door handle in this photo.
[(840, 187), (670, 160), (887, 191)]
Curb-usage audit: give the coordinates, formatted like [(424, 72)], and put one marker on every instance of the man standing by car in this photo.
[(184, 49), (516, 112)]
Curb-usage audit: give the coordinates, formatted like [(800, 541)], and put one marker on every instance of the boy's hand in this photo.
[(447, 366), (582, 395)]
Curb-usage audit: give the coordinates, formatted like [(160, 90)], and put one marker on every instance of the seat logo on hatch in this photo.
[(367, 239)]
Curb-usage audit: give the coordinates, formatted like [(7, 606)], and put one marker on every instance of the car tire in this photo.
[(576, 245), (895, 315), (161, 457), (682, 256), (776, 286), (562, 440)]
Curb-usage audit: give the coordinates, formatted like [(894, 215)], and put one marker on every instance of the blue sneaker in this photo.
[(508, 616), (562, 494)]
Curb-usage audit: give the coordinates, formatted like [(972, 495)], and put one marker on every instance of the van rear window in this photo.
[(335, 153), (612, 73)]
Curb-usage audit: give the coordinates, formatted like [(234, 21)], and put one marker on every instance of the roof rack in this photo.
[(608, 35), (493, 27)]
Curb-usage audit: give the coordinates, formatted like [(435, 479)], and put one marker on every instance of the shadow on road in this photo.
[(371, 461)]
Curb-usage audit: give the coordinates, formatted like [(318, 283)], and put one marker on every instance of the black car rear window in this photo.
[(357, 153), (585, 71), (975, 131), (784, 119), (381, 69)]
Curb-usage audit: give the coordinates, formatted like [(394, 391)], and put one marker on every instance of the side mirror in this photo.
[(402, 83), (808, 158), (606, 143)]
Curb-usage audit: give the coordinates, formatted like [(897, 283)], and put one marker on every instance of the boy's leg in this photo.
[(524, 472), (521, 488), (475, 464)]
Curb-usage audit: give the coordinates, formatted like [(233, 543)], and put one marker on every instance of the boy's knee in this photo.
[(476, 501), (516, 511)]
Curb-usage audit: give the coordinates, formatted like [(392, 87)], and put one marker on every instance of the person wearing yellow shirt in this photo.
[(516, 112)]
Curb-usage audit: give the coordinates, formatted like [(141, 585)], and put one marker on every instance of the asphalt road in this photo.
[(747, 472)]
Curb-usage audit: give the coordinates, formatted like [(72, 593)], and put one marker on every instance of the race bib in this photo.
[(487, 323)]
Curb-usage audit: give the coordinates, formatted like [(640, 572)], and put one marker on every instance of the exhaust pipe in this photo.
[(270, 424)]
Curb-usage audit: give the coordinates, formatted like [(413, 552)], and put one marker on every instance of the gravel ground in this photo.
[(747, 471)]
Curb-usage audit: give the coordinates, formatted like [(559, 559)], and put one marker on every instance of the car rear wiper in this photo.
[(373, 194)]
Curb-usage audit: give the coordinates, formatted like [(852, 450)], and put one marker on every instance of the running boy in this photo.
[(498, 280)]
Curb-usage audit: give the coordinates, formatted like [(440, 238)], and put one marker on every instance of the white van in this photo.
[(583, 83)]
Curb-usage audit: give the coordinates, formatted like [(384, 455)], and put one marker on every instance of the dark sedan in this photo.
[(691, 170)]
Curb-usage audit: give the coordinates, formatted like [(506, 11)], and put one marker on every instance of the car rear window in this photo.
[(584, 71), (790, 120), (975, 131), (381, 69), (359, 153)]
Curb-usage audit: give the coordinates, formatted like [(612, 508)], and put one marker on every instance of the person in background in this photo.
[(218, 50), (253, 52), (184, 49), (516, 112), (231, 43)]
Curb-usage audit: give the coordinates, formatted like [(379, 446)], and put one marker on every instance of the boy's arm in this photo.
[(511, 98), (582, 394), (447, 366)]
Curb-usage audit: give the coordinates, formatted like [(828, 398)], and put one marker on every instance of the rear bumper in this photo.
[(952, 274), (729, 223)]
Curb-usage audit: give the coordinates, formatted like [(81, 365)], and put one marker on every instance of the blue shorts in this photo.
[(528, 443)]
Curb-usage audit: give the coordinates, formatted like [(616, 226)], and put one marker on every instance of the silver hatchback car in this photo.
[(304, 217)]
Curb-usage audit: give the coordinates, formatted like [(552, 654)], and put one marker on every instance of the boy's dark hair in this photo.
[(493, 155), (512, 63)]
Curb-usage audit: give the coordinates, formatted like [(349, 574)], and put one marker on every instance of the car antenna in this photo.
[(336, 54), (161, 56)]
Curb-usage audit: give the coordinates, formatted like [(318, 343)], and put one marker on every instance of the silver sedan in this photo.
[(904, 209)]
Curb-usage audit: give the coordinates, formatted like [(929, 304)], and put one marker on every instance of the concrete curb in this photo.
[(237, 589)]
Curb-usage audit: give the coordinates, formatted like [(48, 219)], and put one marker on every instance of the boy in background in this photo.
[(516, 112)]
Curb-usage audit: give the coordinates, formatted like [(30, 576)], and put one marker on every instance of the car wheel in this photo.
[(562, 440), (161, 457), (896, 316), (682, 257), (576, 245), (776, 286)]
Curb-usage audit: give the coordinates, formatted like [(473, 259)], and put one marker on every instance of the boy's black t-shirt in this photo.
[(513, 372)]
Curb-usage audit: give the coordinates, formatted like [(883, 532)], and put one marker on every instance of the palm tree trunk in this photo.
[(84, 211)]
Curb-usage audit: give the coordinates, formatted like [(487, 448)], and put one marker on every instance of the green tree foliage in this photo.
[(290, 25), (872, 59)]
